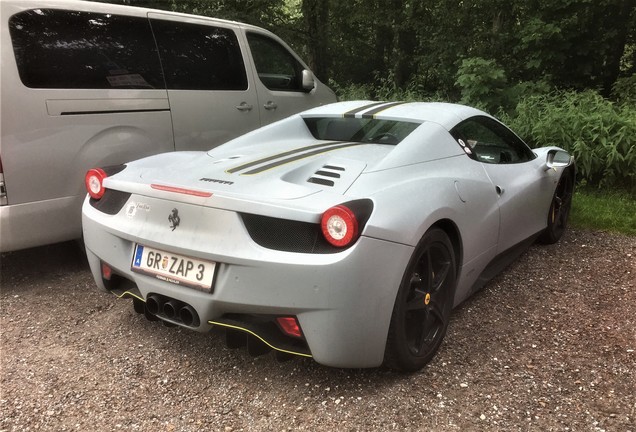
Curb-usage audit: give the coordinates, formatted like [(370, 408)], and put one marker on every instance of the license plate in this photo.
[(174, 268)]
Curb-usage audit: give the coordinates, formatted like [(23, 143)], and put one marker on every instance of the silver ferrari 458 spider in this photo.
[(345, 233)]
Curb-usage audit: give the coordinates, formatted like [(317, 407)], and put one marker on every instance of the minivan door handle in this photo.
[(270, 105), (244, 106)]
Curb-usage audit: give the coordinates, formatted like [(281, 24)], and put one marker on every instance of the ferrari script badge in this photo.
[(174, 219)]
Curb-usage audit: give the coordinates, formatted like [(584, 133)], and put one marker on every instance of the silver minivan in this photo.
[(92, 84)]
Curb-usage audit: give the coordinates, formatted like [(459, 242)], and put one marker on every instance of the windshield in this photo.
[(360, 129)]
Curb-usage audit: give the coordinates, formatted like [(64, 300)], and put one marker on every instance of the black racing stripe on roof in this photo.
[(280, 155), (353, 112), (373, 112), (301, 156)]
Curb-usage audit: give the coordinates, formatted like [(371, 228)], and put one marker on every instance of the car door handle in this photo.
[(270, 106), (499, 190), (244, 106)]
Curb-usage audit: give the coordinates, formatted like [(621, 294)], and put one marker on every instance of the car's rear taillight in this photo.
[(290, 326), (339, 226), (94, 182)]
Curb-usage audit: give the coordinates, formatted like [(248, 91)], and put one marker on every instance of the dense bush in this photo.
[(600, 134), (382, 89), (624, 90)]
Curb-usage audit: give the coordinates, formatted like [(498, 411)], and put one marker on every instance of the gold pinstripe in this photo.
[(298, 157), (128, 293)]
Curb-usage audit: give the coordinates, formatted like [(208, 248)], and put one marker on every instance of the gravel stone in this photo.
[(547, 345)]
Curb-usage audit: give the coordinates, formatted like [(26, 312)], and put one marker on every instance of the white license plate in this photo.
[(174, 268)]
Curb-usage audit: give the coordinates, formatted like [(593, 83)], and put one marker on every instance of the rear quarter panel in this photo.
[(408, 201)]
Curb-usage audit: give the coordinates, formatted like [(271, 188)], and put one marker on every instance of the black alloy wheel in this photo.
[(559, 210), (423, 304)]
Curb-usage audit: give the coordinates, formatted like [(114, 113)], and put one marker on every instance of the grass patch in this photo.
[(613, 211)]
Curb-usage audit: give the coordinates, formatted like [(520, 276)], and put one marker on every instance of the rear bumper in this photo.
[(343, 301), (39, 223)]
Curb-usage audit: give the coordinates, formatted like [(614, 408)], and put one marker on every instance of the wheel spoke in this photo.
[(415, 300), (442, 274), (419, 331), (416, 303), (421, 344), (415, 329), (429, 269), (435, 310)]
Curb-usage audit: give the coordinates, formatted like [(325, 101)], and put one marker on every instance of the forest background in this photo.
[(559, 72)]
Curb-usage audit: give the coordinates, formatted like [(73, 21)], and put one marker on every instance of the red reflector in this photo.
[(107, 272), (339, 226), (94, 182), (181, 190), (290, 326)]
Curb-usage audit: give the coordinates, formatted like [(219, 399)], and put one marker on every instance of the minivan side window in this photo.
[(82, 50), (276, 66), (199, 57)]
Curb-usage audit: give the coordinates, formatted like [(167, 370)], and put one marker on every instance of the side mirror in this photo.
[(557, 159), (309, 83)]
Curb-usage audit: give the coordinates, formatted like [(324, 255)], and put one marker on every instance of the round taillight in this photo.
[(94, 182), (339, 226)]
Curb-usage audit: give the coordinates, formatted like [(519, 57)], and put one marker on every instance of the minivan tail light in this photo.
[(94, 181), (3, 189)]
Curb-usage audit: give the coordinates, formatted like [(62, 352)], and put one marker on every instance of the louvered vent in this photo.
[(325, 176)]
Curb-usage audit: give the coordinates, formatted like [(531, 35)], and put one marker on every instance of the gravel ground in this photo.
[(548, 345)]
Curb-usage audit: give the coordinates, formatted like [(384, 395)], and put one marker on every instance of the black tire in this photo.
[(423, 304), (559, 210)]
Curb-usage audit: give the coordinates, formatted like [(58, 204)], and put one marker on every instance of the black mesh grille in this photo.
[(111, 202), (287, 235)]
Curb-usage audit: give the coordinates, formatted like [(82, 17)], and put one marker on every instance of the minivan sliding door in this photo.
[(210, 98)]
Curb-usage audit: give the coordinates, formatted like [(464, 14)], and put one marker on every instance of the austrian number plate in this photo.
[(173, 268)]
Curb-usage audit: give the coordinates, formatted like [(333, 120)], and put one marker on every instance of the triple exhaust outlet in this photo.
[(172, 309)]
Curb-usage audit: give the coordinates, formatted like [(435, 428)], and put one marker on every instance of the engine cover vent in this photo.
[(325, 176)]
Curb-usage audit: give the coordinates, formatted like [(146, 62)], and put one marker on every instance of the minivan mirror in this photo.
[(308, 81), (557, 159)]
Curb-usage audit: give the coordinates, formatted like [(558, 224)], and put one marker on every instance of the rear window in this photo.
[(69, 49), (360, 129)]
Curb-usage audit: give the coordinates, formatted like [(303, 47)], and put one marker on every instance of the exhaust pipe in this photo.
[(153, 304), (170, 309), (158, 306), (189, 316)]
